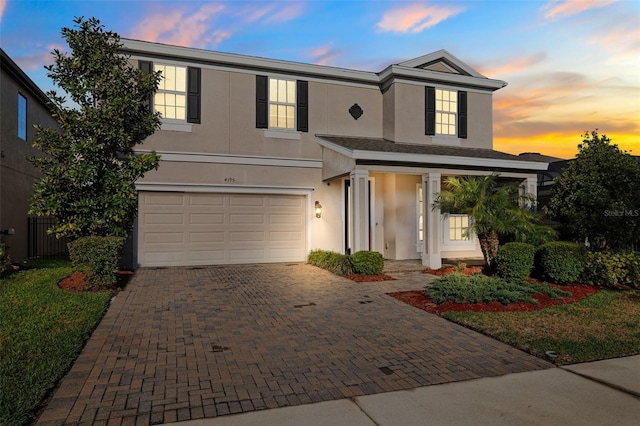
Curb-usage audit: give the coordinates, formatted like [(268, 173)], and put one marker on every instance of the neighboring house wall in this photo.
[(16, 174)]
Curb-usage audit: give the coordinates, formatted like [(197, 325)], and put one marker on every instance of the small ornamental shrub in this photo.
[(514, 261), (560, 261), (458, 288), (367, 263), (98, 257), (612, 268), (3, 259), (337, 263)]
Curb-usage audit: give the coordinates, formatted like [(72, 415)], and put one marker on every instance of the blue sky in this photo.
[(571, 65)]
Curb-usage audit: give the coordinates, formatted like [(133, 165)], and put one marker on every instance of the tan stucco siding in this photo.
[(479, 121), (17, 175)]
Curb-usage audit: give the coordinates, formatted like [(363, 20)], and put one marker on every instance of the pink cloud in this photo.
[(325, 55), (271, 13), (3, 5), (414, 18), (559, 9), (515, 66), (183, 28)]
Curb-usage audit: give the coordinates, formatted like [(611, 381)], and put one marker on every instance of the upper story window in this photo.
[(282, 104), (446, 112), (22, 117), (171, 97)]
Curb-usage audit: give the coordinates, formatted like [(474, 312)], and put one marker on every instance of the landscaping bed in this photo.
[(418, 299)]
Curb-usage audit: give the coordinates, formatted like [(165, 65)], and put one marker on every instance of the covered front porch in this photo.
[(387, 195)]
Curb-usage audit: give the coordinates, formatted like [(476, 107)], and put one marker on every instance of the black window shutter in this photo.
[(193, 95), (302, 90), (462, 115), (147, 68), (430, 111), (262, 102)]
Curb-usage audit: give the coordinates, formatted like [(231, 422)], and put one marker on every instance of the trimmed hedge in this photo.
[(337, 263), (367, 263), (514, 261), (560, 261), (362, 262), (98, 257), (459, 288), (612, 268)]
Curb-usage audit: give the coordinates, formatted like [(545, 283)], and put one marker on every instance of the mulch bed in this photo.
[(418, 299), (77, 282), (369, 278), (449, 269)]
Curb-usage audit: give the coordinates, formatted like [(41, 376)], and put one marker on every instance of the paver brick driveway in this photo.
[(188, 343)]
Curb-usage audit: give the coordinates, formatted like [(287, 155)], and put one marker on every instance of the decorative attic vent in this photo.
[(355, 111)]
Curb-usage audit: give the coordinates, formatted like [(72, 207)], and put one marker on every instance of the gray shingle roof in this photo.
[(385, 145)]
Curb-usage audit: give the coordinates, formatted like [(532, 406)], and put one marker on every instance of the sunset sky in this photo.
[(572, 65)]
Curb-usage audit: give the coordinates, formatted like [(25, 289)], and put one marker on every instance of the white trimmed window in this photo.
[(458, 227), (282, 104), (446, 112), (171, 97)]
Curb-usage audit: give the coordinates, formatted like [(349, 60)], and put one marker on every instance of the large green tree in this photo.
[(597, 197), (494, 210), (89, 167)]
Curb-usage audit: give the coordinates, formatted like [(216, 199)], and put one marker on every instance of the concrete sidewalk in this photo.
[(597, 393)]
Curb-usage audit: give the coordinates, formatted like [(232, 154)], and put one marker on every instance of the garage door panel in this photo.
[(164, 237), (246, 201), (206, 237), (206, 218), (206, 200), (244, 218), (163, 218), (210, 229), (250, 237), (163, 199)]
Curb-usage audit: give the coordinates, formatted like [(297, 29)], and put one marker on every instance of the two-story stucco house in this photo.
[(22, 104), (264, 160)]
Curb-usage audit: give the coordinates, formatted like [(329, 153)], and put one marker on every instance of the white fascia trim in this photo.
[(200, 55), (434, 159), (427, 75), (247, 160), (229, 189)]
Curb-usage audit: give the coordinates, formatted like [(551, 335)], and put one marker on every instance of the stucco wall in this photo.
[(16, 174)]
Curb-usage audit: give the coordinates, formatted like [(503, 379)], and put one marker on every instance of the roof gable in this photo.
[(441, 61)]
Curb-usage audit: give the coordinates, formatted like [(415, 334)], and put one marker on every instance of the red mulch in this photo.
[(449, 269), (418, 299), (369, 278), (76, 282)]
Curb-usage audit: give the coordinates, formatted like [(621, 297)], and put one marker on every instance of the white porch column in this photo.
[(359, 220), (531, 188), (431, 255)]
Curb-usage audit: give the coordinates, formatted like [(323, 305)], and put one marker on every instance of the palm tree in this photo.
[(492, 211)]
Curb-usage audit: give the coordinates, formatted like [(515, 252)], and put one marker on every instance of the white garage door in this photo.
[(211, 229)]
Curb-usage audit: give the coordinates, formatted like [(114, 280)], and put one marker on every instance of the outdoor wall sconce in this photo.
[(318, 209)]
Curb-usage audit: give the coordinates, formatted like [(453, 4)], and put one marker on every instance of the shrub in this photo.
[(337, 263), (367, 262), (515, 261), (3, 259), (458, 288), (98, 257), (612, 268), (560, 261)]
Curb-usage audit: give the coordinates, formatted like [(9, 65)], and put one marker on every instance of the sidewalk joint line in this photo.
[(354, 400), (605, 383)]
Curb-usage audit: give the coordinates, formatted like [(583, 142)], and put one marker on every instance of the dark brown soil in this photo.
[(369, 278), (77, 282)]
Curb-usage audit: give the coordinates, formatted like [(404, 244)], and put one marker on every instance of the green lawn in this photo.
[(605, 325), (42, 331)]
